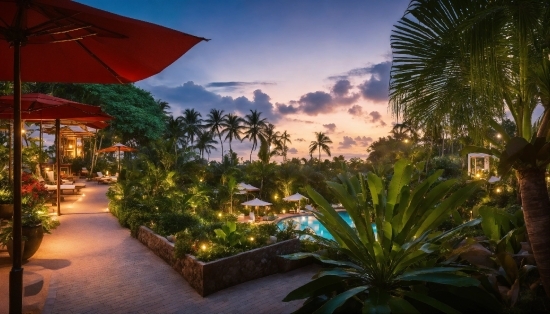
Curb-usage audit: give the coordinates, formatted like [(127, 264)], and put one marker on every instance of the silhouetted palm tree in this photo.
[(233, 128), (253, 124), (272, 138), (192, 123), (285, 138), (214, 123), (205, 143), (321, 143)]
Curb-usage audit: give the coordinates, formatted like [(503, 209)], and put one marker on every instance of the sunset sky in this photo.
[(307, 65)]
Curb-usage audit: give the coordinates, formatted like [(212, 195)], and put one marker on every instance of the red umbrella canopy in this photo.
[(117, 148), (35, 107), (89, 45)]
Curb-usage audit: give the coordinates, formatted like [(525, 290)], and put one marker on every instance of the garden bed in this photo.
[(207, 278)]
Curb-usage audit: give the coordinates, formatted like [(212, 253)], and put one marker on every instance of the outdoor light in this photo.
[(220, 214), (23, 131), (406, 141), (203, 247), (251, 238), (70, 145), (275, 196), (498, 190), (284, 211), (478, 175)]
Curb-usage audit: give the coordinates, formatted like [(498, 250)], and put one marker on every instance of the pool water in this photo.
[(310, 221)]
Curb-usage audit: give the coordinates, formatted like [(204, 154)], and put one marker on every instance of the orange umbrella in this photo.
[(65, 41), (117, 148)]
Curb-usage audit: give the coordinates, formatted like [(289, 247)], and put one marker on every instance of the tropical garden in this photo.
[(426, 236)]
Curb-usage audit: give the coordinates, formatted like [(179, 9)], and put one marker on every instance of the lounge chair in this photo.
[(84, 172), (101, 178), (62, 187), (51, 179)]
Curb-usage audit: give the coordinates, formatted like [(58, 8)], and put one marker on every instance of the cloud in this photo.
[(376, 117), (232, 86), (356, 110), (303, 121), (341, 88), (347, 142), (331, 127), (376, 87), (191, 95), (300, 140), (320, 102), (363, 140), (293, 150)]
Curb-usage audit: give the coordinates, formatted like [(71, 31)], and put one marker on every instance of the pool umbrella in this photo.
[(42, 107), (256, 202), (65, 41), (117, 148), (295, 198)]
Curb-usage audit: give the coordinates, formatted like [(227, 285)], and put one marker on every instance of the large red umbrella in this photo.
[(65, 41), (118, 147)]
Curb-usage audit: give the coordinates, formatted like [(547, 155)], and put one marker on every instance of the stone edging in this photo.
[(207, 278)]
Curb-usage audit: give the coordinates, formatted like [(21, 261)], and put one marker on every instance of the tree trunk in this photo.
[(536, 210)]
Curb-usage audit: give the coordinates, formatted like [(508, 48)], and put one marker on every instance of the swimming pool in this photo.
[(305, 221)]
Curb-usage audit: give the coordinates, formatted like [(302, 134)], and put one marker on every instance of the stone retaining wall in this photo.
[(207, 278)]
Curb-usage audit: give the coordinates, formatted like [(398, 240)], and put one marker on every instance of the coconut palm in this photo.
[(164, 107), (192, 123), (253, 128), (205, 143), (321, 143), (474, 60), (285, 138), (233, 128), (175, 133), (272, 138), (214, 123)]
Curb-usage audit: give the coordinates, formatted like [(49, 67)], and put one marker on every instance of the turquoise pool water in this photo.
[(310, 221)]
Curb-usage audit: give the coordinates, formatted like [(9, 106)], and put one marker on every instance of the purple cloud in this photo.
[(347, 142), (341, 88), (293, 150), (376, 117), (376, 87), (363, 140), (300, 140), (356, 110), (331, 127)]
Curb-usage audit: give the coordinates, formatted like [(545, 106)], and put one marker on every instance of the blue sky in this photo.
[(308, 66)]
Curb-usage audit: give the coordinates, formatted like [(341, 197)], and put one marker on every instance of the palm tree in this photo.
[(214, 122), (474, 60), (321, 143), (233, 128), (271, 137), (174, 132), (205, 141), (192, 123), (253, 124), (285, 138), (164, 107)]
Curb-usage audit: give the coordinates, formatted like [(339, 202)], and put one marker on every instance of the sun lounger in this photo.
[(62, 187)]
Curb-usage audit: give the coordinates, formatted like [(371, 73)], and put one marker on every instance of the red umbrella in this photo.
[(65, 41), (117, 148)]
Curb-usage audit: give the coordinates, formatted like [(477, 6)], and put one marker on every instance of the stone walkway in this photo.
[(90, 264)]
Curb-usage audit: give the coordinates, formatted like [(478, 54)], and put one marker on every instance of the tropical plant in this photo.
[(285, 138), (205, 143), (320, 143), (214, 122), (192, 123), (233, 128), (473, 61), (254, 125), (228, 234), (395, 268)]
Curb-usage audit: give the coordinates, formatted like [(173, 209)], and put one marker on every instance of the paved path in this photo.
[(90, 264)]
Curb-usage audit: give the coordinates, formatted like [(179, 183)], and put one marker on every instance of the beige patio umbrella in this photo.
[(295, 198)]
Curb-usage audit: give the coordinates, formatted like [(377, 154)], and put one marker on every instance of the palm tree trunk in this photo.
[(536, 210), (221, 143)]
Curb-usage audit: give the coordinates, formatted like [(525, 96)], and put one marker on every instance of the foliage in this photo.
[(396, 268)]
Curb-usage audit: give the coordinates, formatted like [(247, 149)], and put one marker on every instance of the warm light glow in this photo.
[(498, 190), (220, 214), (275, 196), (251, 238), (284, 211), (203, 247), (406, 140), (70, 145), (23, 131), (478, 175), (498, 135)]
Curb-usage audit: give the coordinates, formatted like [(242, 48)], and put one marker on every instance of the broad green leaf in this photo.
[(220, 233), (431, 302), (515, 146), (400, 305), (337, 301), (377, 302), (442, 278)]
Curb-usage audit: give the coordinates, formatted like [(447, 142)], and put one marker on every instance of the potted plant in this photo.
[(35, 219)]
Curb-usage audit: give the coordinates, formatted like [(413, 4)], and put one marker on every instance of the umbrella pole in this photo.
[(119, 161), (16, 273), (58, 164)]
